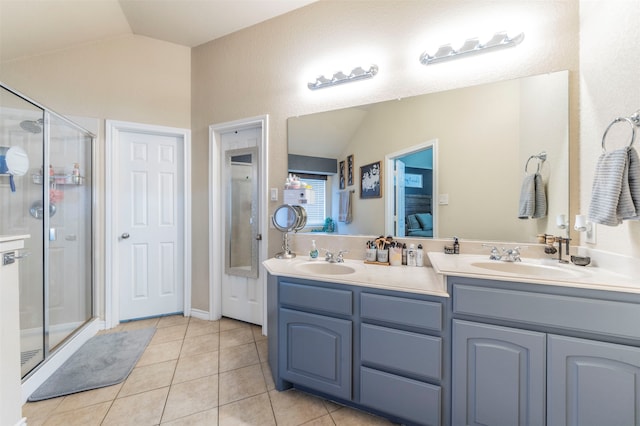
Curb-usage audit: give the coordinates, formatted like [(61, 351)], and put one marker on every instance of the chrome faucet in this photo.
[(512, 255), (335, 258), (507, 255)]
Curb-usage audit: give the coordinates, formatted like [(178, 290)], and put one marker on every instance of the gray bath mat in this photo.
[(104, 360)]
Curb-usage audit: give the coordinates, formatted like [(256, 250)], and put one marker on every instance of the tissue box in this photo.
[(299, 196)]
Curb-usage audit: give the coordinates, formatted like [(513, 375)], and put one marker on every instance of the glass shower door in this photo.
[(68, 264), (21, 125), (48, 197)]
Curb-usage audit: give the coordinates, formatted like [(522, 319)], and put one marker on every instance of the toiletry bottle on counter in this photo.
[(456, 246), (419, 256), (313, 253), (411, 255), (404, 253)]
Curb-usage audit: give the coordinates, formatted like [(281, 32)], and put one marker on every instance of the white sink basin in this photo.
[(325, 268), (531, 269)]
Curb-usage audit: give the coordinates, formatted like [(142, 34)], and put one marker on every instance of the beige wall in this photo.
[(609, 66), (265, 68), (129, 78)]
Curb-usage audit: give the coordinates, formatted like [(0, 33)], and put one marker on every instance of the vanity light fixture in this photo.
[(356, 74), (470, 47)]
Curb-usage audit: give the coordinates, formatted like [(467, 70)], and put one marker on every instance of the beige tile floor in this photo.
[(196, 372)]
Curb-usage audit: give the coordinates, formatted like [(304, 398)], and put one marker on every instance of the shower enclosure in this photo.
[(48, 196)]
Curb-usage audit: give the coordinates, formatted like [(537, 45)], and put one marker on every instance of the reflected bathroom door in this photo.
[(242, 295)]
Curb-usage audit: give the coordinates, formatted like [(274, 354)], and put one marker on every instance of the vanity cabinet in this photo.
[(316, 350), (373, 349), (498, 375), (537, 354), (592, 382)]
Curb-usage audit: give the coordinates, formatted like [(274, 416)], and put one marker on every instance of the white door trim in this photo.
[(113, 130), (216, 254)]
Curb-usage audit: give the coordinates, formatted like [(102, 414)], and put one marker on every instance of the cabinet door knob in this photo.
[(125, 236)]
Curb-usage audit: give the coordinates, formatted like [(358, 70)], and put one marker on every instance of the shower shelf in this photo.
[(59, 179)]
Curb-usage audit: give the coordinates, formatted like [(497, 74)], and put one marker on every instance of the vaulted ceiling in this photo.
[(33, 27)]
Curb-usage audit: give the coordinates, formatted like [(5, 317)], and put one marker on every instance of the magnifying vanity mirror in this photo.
[(288, 218), (472, 183)]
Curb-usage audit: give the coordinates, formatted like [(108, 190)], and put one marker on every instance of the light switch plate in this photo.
[(274, 194), (443, 199)]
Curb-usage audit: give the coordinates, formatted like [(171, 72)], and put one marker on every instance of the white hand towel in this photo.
[(616, 188), (345, 214)]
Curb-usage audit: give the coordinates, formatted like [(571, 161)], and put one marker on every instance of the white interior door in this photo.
[(400, 199), (242, 293), (150, 225)]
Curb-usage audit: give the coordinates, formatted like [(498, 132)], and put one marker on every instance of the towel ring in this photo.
[(526, 166), (542, 157), (618, 120)]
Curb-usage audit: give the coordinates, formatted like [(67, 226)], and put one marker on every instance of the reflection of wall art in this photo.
[(350, 170), (412, 180), (342, 175), (371, 180)]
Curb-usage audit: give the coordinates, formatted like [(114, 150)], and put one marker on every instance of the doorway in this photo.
[(238, 170), (410, 211), (148, 227)]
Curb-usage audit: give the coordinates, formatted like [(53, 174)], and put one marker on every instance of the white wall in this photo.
[(609, 88), (265, 69), (129, 78)]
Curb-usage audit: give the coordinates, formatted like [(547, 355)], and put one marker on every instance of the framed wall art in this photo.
[(371, 180), (350, 170)]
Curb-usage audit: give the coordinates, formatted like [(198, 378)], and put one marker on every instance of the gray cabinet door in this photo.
[(498, 375), (316, 352), (592, 383)]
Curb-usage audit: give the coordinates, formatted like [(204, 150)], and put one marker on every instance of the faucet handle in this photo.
[(514, 254), (328, 256), (340, 258), (495, 253)]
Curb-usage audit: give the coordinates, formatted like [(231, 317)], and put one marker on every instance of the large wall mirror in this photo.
[(480, 140)]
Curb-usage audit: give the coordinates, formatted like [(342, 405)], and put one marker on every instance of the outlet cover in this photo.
[(590, 236)]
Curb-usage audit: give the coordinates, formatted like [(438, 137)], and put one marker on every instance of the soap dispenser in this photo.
[(313, 253)]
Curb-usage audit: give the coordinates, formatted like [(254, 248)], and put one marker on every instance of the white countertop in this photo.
[(399, 278), (431, 280), (543, 271), (6, 238)]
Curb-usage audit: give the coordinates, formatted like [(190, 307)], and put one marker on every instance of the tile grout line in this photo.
[(164, 407)]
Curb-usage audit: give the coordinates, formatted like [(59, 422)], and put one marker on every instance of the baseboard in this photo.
[(47, 368), (200, 314), (22, 422)]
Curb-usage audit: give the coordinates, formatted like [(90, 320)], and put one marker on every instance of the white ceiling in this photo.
[(32, 27)]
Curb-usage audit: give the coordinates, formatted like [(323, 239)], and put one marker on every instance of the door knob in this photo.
[(125, 236)]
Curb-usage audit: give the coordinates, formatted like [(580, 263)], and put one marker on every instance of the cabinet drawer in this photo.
[(408, 399), (567, 312), (401, 351), (402, 311), (316, 298)]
